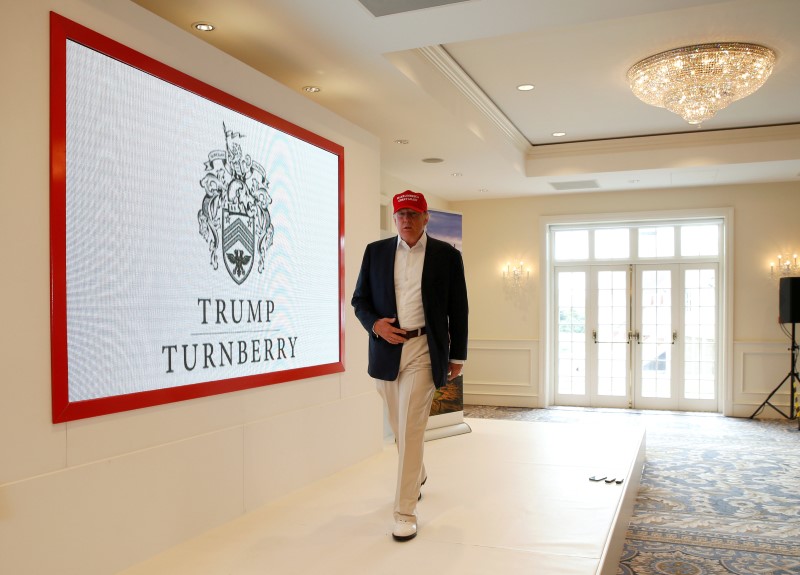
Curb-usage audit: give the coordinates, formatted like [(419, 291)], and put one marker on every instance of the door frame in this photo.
[(724, 402)]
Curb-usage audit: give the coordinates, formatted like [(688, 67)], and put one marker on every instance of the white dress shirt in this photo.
[(408, 264)]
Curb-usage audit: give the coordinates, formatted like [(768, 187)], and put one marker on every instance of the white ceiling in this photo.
[(444, 78)]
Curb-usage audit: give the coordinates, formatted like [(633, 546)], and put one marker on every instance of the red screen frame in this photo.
[(61, 30)]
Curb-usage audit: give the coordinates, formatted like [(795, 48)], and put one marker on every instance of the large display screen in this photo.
[(196, 240)]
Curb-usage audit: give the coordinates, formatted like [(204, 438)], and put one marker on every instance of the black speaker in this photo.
[(790, 300)]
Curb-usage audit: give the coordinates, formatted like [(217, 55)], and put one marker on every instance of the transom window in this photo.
[(637, 241)]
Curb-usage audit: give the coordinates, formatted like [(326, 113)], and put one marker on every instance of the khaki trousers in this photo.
[(408, 401)]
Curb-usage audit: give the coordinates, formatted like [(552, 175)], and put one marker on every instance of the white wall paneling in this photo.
[(502, 372), (758, 368)]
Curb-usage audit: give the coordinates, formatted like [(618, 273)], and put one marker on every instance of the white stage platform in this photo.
[(510, 497)]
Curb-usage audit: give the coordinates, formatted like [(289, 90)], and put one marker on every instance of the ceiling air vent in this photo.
[(388, 7), (575, 185)]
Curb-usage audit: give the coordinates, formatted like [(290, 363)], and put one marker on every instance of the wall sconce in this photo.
[(516, 277), (786, 266)]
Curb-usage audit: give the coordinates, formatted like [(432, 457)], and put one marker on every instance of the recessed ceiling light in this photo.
[(203, 26), (525, 87), (312, 89), (456, 174), (432, 160), (483, 190), (401, 141), (559, 134)]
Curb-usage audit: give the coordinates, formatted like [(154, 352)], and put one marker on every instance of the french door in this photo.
[(638, 335)]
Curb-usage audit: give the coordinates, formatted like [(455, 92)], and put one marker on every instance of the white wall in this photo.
[(97, 495), (506, 332)]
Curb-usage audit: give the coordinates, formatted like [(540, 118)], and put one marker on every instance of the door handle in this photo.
[(674, 337), (633, 335)]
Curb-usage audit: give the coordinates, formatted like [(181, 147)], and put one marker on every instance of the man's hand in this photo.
[(384, 329), (454, 370)]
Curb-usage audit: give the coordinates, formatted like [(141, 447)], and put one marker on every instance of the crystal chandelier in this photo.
[(696, 82)]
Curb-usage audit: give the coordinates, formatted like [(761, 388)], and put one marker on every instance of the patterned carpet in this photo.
[(718, 495)]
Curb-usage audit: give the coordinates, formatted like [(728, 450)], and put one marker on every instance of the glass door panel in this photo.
[(655, 333), (611, 336), (700, 341), (571, 336)]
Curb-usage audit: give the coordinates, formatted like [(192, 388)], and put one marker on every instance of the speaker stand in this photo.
[(791, 377)]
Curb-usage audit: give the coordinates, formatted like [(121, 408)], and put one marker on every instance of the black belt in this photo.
[(414, 333)]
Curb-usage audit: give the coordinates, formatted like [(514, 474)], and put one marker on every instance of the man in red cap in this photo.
[(411, 296)]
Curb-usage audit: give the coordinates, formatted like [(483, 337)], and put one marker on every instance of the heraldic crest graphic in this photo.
[(235, 210)]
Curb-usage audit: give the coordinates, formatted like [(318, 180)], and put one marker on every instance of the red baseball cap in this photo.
[(410, 200)]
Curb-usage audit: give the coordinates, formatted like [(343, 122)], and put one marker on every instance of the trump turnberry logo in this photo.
[(234, 217)]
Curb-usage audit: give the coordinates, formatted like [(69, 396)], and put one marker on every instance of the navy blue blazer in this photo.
[(444, 301)]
